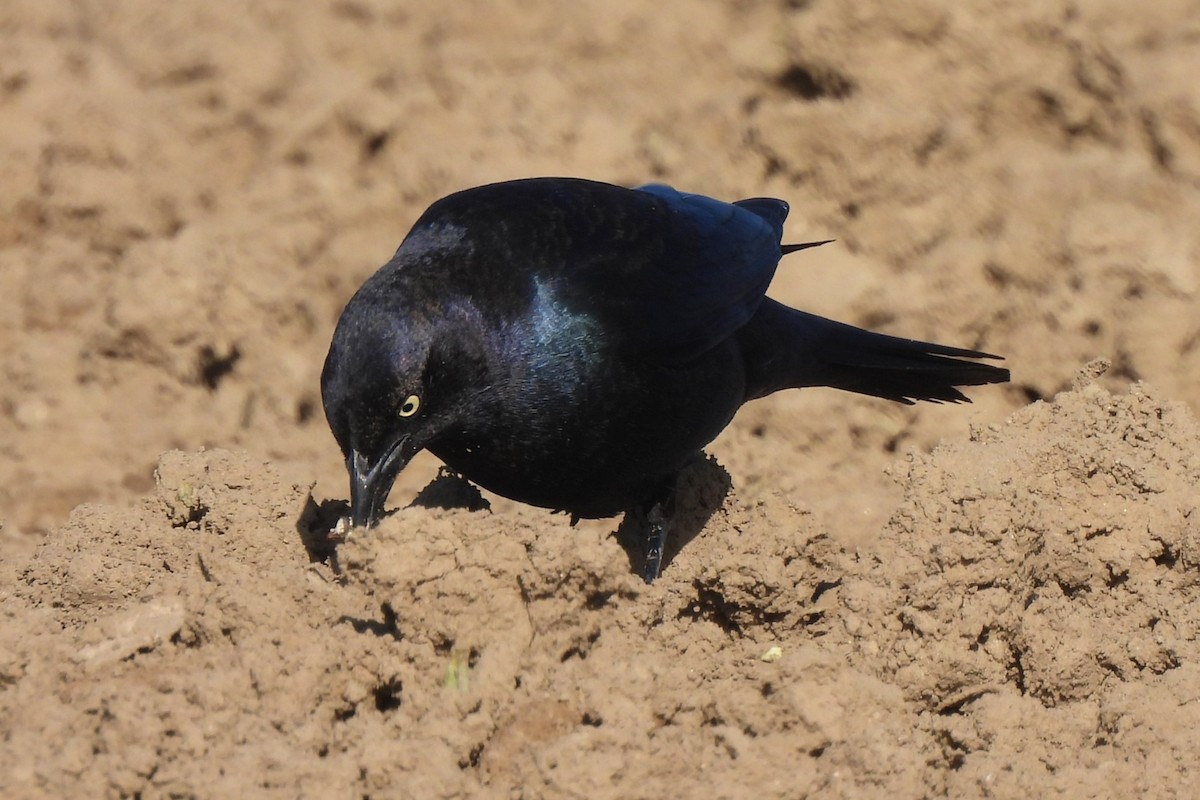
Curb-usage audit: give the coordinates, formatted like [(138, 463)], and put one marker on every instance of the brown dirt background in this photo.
[(192, 190)]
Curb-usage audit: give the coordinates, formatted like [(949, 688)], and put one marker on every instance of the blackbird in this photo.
[(573, 345)]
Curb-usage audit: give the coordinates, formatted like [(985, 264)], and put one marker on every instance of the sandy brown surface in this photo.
[(999, 600)]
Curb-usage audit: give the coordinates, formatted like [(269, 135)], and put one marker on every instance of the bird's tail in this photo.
[(787, 349)]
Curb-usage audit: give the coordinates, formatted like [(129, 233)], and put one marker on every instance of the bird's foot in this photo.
[(658, 517)]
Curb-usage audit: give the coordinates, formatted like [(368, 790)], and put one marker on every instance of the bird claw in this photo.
[(654, 551), (659, 519)]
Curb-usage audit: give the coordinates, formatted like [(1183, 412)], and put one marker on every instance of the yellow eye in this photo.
[(410, 406)]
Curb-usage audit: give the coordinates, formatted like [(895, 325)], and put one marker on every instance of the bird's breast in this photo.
[(573, 422)]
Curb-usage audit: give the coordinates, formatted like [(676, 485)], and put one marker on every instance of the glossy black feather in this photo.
[(573, 344)]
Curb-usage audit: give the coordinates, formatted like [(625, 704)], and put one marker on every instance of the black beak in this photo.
[(370, 484)]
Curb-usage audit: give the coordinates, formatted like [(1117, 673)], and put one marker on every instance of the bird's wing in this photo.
[(696, 273), (665, 273)]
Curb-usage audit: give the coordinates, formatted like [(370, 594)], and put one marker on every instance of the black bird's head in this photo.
[(398, 375)]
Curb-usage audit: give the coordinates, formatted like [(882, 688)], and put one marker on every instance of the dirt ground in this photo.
[(999, 600)]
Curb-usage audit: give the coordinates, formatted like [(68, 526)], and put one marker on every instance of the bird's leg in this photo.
[(659, 511)]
